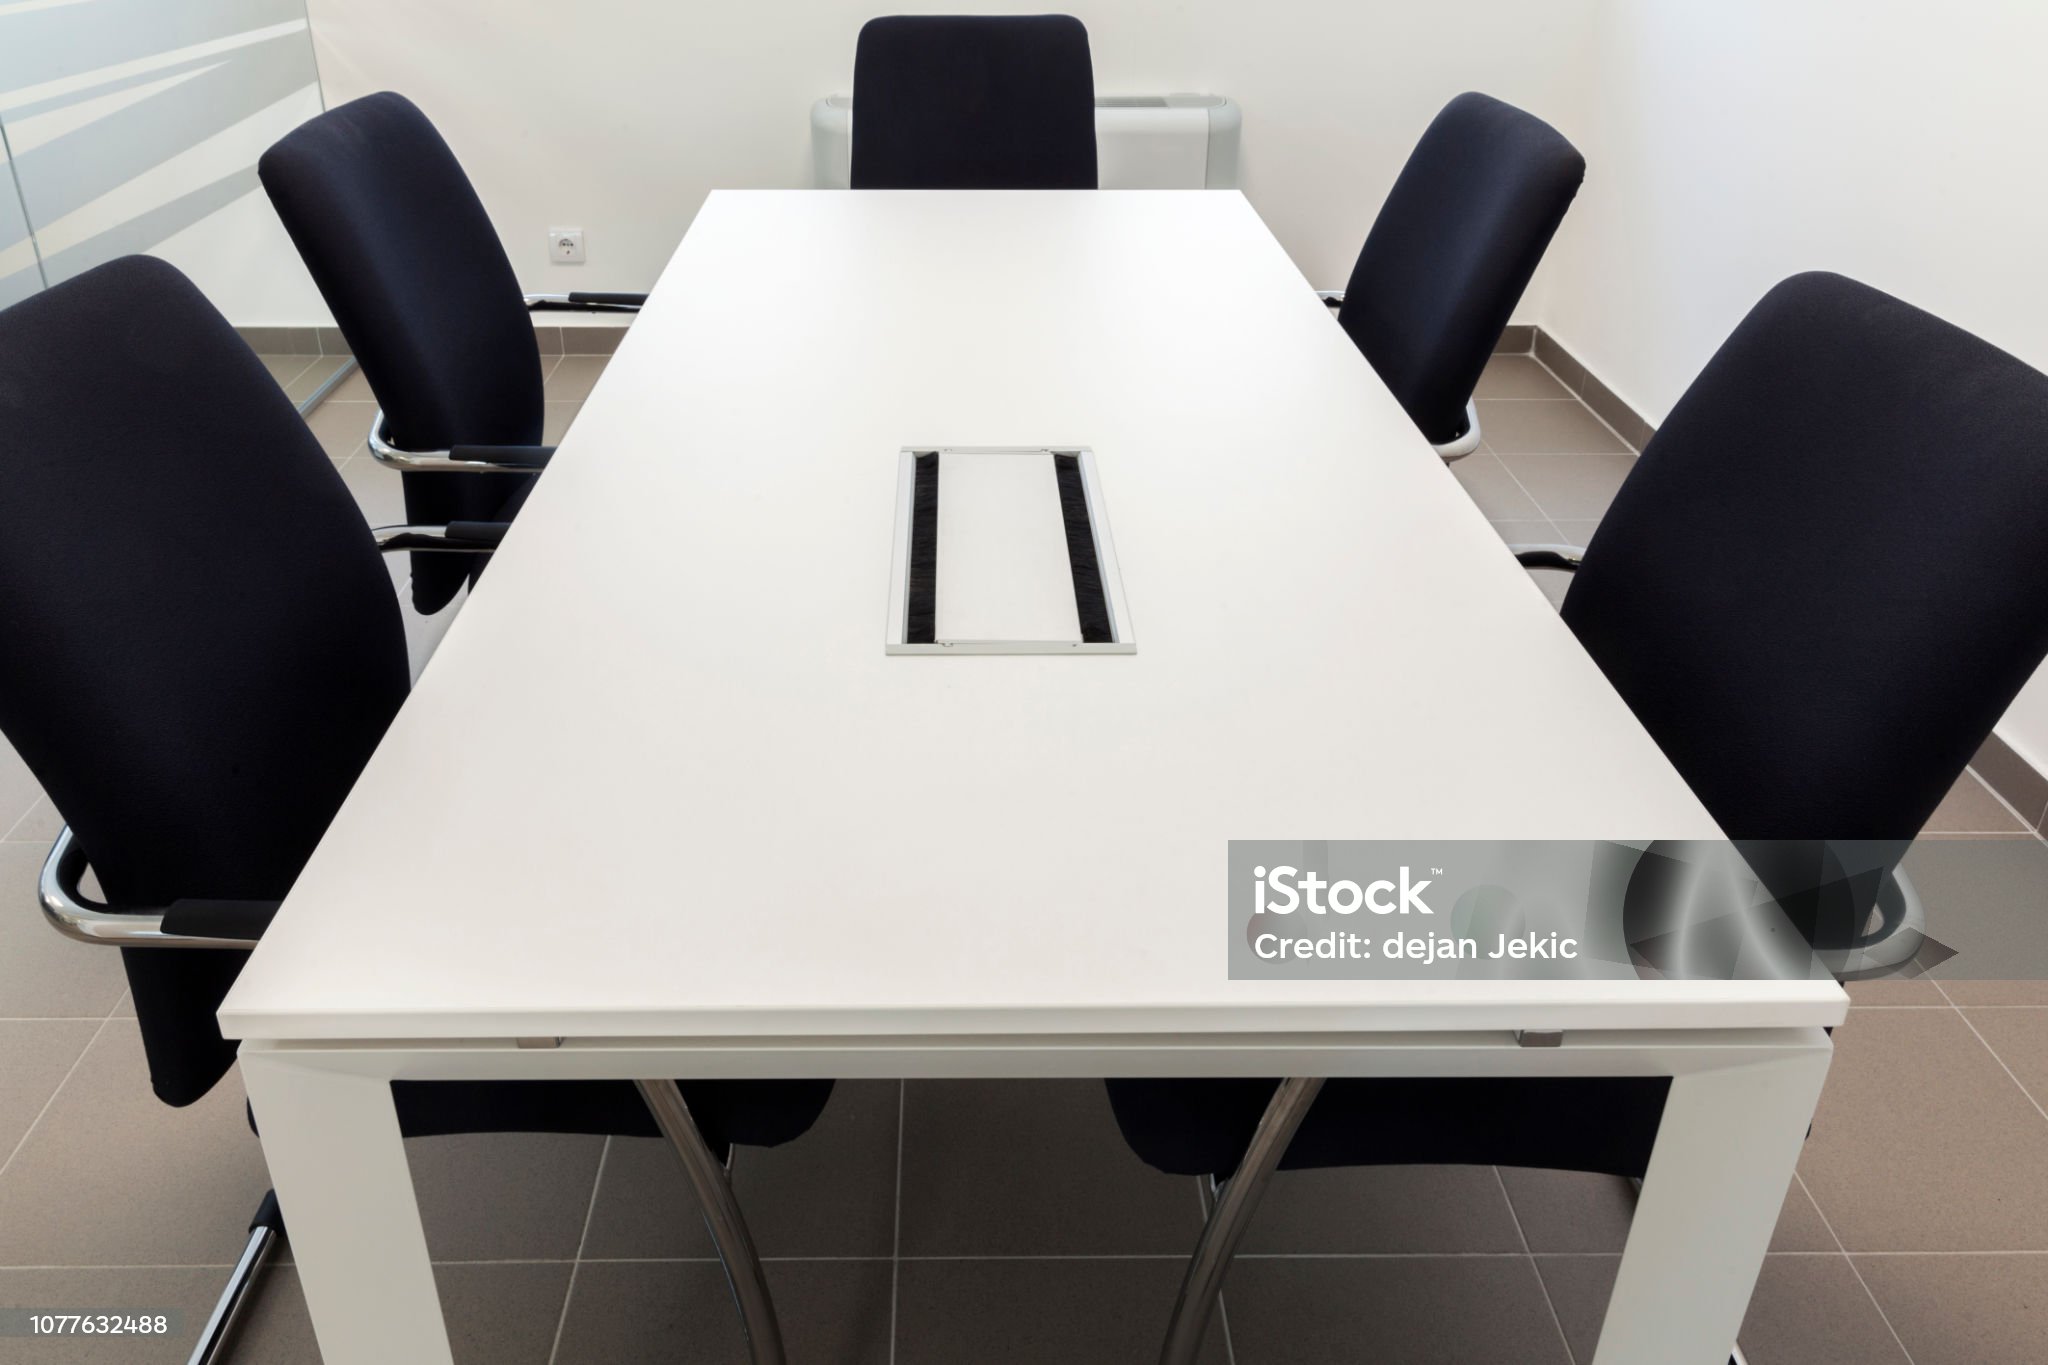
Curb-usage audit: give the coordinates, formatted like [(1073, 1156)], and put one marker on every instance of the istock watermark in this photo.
[(1575, 909)]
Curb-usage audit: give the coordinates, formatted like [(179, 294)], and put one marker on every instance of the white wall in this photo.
[(618, 116), (1731, 144)]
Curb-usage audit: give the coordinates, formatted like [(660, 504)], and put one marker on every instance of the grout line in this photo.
[(2026, 826), (1836, 1238), (300, 373), (1222, 1313), (35, 1123), (1223, 1317), (1516, 479), (1578, 394), (896, 1237), (9, 837), (1523, 1237), (582, 1241), (1960, 1014)]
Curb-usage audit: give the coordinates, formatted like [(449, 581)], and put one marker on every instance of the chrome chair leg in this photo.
[(264, 1230), (722, 1218), (1237, 1199)]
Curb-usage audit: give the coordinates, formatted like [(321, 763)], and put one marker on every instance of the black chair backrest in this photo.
[(1452, 250), (973, 103), (199, 647), (410, 266), (1827, 575)]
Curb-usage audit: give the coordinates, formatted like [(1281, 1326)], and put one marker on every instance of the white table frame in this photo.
[(472, 893), (1737, 1114)]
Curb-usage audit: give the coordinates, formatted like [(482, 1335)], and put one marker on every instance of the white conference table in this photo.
[(662, 796)]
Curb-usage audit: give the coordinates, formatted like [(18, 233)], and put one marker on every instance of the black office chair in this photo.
[(1448, 257), (1820, 587), (417, 280), (199, 650), (973, 103)]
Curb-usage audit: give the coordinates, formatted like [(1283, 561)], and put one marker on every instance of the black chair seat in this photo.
[(1202, 1127)]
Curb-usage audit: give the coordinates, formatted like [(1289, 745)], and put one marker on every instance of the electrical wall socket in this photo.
[(565, 245)]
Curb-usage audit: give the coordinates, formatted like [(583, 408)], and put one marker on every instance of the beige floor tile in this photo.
[(621, 1311), (1579, 533), (1574, 487), (1533, 532), (1987, 899), (496, 1315), (285, 368), (354, 389), (1890, 991), (572, 380), (1923, 1143), (504, 1196), (1406, 1311), (1570, 1210), (1970, 807), (1045, 1312), (1964, 1310), (35, 1055), (1001, 1168), (39, 826), (19, 791), (113, 1177), (1800, 1226), (1521, 378), (600, 339), (2019, 1037), (555, 421), (1382, 1209), (1975, 993), (42, 973), (1493, 489), (1525, 428), (318, 371), (341, 427), (379, 491), (832, 1192)]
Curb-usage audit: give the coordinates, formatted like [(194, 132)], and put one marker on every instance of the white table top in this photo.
[(661, 779)]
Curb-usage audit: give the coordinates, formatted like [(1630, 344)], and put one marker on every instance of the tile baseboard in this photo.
[(594, 339), (1589, 389), (2015, 779)]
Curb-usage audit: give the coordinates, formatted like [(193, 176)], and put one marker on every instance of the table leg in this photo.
[(1724, 1155), (335, 1155)]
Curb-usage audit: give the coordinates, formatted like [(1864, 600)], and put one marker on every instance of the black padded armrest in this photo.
[(219, 919), (523, 457), (1548, 556), (477, 534), (579, 302)]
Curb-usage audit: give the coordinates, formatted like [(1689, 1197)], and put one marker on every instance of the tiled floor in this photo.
[(899, 1230)]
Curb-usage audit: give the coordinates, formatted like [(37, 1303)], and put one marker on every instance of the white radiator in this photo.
[(1142, 142)]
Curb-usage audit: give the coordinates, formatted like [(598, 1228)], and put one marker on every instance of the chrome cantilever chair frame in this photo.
[(447, 461), (77, 916), (444, 461), (72, 914), (1456, 449)]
